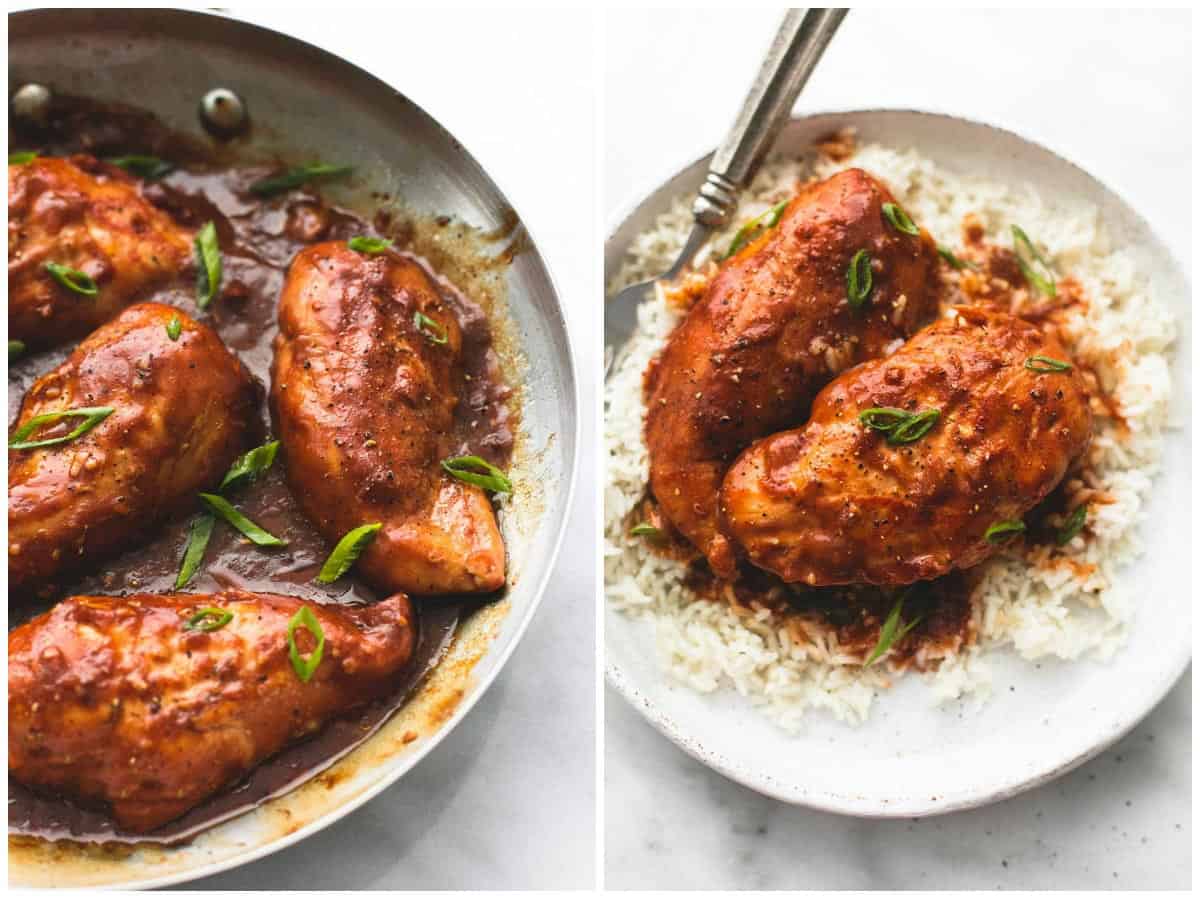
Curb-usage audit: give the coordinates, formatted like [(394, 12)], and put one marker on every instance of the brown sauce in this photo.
[(258, 238)]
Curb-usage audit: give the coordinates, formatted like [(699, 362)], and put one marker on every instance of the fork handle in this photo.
[(798, 46)]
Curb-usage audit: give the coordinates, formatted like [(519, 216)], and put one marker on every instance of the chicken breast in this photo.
[(363, 389), (181, 412), (91, 217), (775, 326), (836, 502), (120, 700)]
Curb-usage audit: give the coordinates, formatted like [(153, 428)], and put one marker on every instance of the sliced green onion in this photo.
[(257, 535), (901, 426), (307, 619), (645, 530), (467, 468), (22, 156), (72, 279), (297, 177), (1073, 526), (1027, 254), (370, 246), (16, 349), (891, 632), (198, 536), (250, 465), (858, 279), (946, 253), (208, 265), (431, 329), (899, 219), (915, 428), (1002, 530), (755, 227), (1044, 364), (346, 553), (884, 418), (174, 327), (147, 167), (91, 417), (208, 619)]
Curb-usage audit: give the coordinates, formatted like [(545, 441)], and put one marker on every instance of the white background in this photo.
[(1110, 91), (507, 800)]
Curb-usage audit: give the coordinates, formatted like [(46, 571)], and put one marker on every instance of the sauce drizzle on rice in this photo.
[(794, 649)]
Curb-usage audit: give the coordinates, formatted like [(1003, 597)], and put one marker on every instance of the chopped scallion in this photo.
[(347, 551), (91, 417), (479, 472)]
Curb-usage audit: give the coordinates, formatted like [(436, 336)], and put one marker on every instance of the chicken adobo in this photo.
[(174, 408), (775, 326), (153, 703), (210, 589), (993, 416), (83, 243), (364, 386)]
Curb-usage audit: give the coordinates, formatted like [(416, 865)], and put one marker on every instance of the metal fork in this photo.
[(798, 46)]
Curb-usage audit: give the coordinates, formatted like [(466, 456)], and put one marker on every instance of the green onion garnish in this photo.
[(305, 668), (91, 417), (1044, 364), (858, 279), (208, 619), (645, 530), (1027, 254), (174, 327), (346, 553), (1002, 530), (198, 536), (22, 156), (248, 466), (948, 254), (370, 246), (16, 349), (467, 468), (297, 177), (431, 329), (72, 279), (900, 425), (884, 418), (915, 428), (257, 535), (891, 632), (208, 265), (755, 227), (1073, 526), (147, 167), (899, 219)]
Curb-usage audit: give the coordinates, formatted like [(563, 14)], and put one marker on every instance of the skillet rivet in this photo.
[(223, 112), (32, 102)]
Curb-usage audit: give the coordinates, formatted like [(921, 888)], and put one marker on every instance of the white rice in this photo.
[(1036, 607)]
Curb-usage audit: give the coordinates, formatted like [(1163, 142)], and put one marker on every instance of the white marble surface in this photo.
[(1111, 91), (507, 801)]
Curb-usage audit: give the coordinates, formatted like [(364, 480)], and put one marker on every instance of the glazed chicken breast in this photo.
[(837, 502), (180, 413), (132, 702), (363, 389), (775, 326), (92, 218)]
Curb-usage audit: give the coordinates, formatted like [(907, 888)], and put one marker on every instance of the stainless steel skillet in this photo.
[(307, 104)]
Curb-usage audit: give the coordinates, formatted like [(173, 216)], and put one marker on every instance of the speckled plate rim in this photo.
[(559, 511), (655, 199)]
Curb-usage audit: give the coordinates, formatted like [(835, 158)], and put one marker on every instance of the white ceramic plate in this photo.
[(911, 758)]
